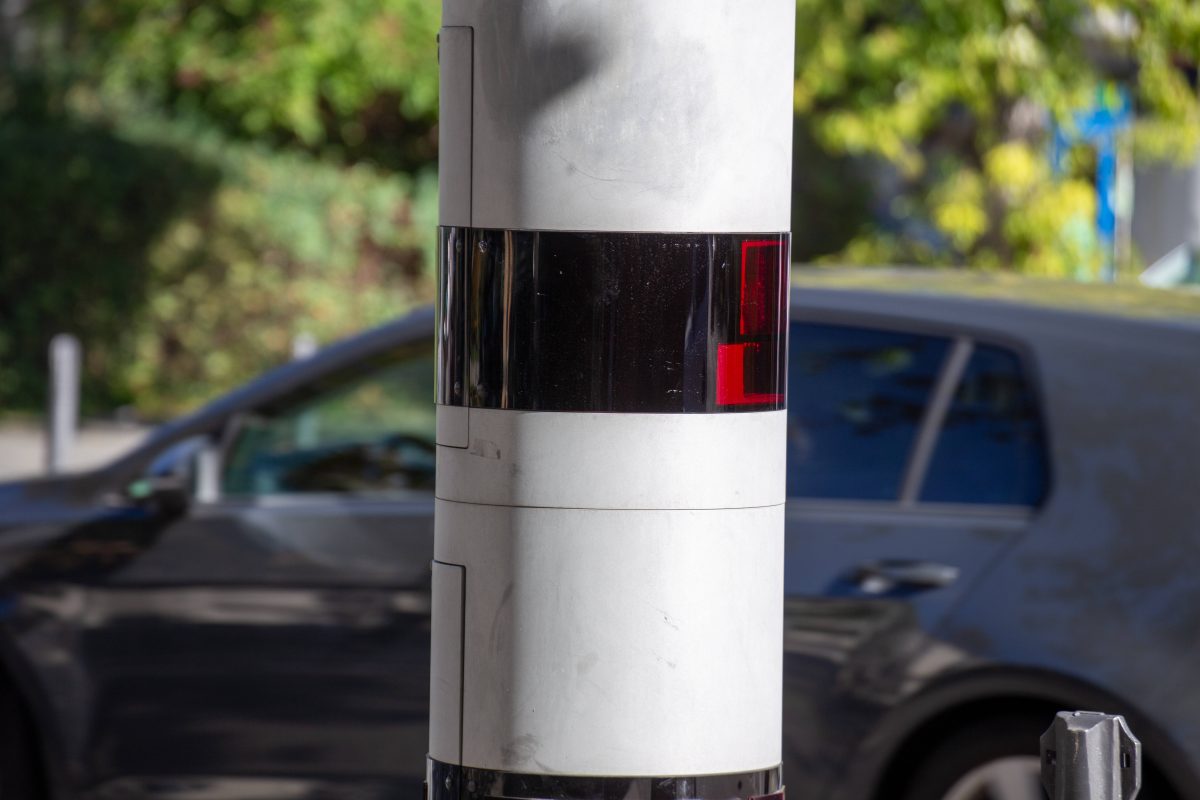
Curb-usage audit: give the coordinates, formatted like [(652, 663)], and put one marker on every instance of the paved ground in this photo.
[(23, 448)]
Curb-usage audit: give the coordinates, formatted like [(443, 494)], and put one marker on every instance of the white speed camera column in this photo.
[(608, 582)]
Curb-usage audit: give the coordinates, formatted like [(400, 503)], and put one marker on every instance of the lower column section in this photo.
[(617, 643)]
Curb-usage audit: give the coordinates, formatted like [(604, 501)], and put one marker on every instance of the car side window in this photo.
[(856, 397), (991, 449), (369, 431)]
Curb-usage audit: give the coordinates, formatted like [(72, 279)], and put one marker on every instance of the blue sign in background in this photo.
[(1099, 126)]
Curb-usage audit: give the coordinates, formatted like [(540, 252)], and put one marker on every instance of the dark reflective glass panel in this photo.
[(451, 323), (496, 785), (612, 322), (856, 397), (992, 448)]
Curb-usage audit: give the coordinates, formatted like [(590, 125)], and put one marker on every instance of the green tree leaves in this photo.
[(952, 102), (191, 184), (354, 78)]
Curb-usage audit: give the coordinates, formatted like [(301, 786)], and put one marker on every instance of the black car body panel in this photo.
[(277, 646)]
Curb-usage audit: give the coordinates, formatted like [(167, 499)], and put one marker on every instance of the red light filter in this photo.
[(738, 368), (761, 298)]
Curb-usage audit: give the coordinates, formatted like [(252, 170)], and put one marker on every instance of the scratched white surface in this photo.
[(630, 116)]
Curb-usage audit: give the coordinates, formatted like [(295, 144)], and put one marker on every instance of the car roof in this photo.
[(989, 298), (950, 298)]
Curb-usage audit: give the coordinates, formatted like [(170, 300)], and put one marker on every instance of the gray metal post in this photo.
[(1090, 756), (62, 415)]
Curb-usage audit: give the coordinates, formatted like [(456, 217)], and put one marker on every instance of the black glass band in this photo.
[(453, 782), (612, 322)]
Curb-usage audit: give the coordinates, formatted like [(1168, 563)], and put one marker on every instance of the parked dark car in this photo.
[(994, 515)]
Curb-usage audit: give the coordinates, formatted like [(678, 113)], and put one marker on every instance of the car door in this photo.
[(915, 458), (277, 632)]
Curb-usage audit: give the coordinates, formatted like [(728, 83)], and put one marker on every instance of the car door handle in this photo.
[(882, 577)]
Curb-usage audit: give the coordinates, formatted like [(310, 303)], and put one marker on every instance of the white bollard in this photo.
[(304, 344), (62, 414)]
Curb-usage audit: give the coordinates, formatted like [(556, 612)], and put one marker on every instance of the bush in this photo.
[(352, 79), (186, 261)]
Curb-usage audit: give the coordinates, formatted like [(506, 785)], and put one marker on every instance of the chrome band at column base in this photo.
[(453, 782)]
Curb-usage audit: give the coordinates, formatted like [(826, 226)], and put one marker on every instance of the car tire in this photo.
[(20, 764), (992, 760)]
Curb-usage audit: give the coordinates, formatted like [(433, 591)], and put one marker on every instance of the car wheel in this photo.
[(992, 760), (988, 760), (1010, 778), (19, 762)]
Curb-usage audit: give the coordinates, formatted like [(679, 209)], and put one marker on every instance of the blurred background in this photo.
[(199, 190)]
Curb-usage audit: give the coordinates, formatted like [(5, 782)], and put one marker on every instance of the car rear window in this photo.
[(856, 397), (991, 449)]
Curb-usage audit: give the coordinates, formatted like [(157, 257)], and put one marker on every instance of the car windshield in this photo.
[(368, 431)]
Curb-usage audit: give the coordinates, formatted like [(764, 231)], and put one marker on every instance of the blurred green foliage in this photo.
[(186, 238), (355, 79), (284, 244), (187, 184), (949, 104), (81, 207)]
